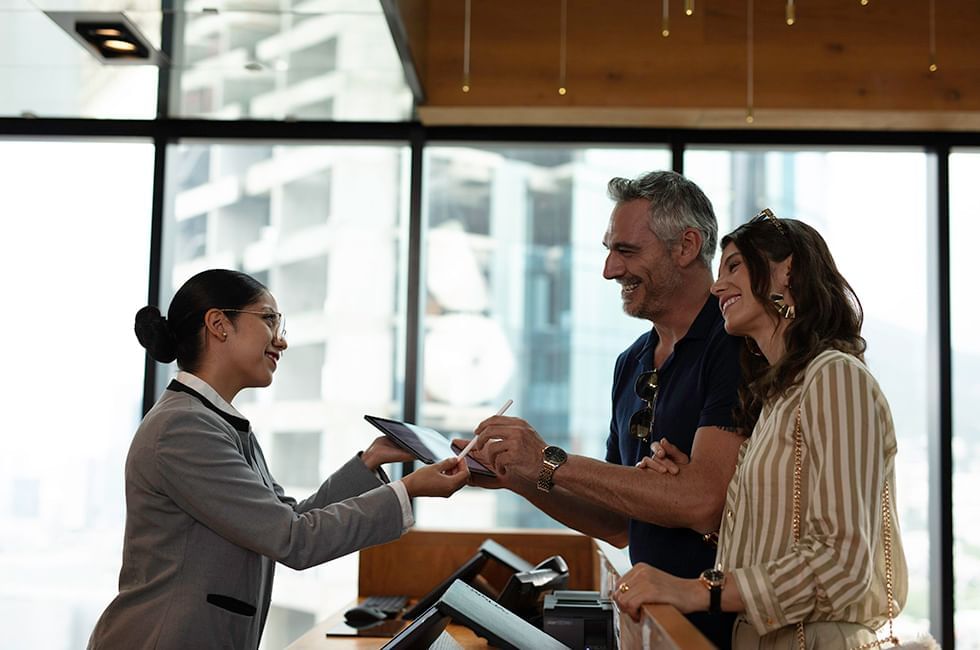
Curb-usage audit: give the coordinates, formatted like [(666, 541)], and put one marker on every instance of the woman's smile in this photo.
[(729, 302)]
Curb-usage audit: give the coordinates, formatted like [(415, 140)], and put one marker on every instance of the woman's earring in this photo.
[(786, 311), (224, 335)]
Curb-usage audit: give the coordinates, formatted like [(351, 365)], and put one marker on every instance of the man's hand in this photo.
[(511, 448), (477, 480), (382, 451), (664, 458)]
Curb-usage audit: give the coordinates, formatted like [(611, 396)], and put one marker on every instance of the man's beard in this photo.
[(656, 302)]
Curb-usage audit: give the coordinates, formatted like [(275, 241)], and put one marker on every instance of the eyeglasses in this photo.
[(641, 424), (767, 215), (275, 320)]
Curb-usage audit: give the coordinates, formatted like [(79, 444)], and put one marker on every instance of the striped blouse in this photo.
[(838, 570)]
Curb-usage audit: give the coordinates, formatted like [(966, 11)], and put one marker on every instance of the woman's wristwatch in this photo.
[(713, 580)]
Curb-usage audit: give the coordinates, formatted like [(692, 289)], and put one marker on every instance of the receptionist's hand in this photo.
[(438, 479), (477, 480), (384, 451)]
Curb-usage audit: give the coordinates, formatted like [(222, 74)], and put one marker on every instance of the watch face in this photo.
[(714, 576), (555, 455)]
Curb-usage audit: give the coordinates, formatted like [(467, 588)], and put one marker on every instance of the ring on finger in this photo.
[(624, 588)]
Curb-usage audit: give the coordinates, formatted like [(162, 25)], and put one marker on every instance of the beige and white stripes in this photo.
[(838, 571)]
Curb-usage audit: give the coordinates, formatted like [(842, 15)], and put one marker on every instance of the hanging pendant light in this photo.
[(563, 29), (750, 65), (466, 49)]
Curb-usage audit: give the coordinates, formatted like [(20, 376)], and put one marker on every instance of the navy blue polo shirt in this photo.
[(698, 388)]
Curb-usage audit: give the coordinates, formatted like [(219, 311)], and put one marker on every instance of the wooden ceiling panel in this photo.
[(866, 64)]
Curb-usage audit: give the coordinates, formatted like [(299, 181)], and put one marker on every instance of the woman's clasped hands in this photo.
[(664, 458)]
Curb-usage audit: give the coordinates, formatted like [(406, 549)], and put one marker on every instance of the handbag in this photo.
[(886, 524)]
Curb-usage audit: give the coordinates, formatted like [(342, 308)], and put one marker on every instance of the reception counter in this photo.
[(420, 560)]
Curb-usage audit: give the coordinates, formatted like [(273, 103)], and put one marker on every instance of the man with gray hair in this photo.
[(674, 390)]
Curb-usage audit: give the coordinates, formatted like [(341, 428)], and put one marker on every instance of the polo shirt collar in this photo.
[(699, 329)]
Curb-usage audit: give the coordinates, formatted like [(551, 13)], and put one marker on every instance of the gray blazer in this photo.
[(205, 525)]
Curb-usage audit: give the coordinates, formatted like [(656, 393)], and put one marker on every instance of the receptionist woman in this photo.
[(205, 521)]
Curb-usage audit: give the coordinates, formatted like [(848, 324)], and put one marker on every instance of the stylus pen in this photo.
[(469, 445)]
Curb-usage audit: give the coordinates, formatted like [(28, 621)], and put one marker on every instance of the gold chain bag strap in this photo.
[(886, 524)]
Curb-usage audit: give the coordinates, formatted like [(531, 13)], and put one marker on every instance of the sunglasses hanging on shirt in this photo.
[(641, 423)]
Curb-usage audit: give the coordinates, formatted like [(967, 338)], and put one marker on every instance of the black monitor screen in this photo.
[(422, 633), (466, 572), (489, 550)]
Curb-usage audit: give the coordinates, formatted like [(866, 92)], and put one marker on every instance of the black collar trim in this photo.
[(699, 329), (240, 424)]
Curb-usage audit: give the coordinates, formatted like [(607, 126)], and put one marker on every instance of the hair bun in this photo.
[(154, 333)]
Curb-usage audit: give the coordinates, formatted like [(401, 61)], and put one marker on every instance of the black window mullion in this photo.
[(167, 50), (156, 257), (413, 309), (940, 442), (677, 149), (159, 188)]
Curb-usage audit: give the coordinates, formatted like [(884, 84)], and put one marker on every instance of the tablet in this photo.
[(428, 445)]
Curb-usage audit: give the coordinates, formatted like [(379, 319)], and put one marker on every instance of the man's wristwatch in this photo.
[(554, 457), (713, 580)]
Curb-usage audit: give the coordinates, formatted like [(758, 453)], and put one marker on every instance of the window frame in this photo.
[(164, 131)]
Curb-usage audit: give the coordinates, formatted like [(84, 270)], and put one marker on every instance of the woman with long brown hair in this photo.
[(809, 550)]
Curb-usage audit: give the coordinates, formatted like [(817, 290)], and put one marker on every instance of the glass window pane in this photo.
[(74, 254), (515, 303), (324, 227), (861, 202), (290, 60), (964, 232), (75, 83), (331, 60)]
